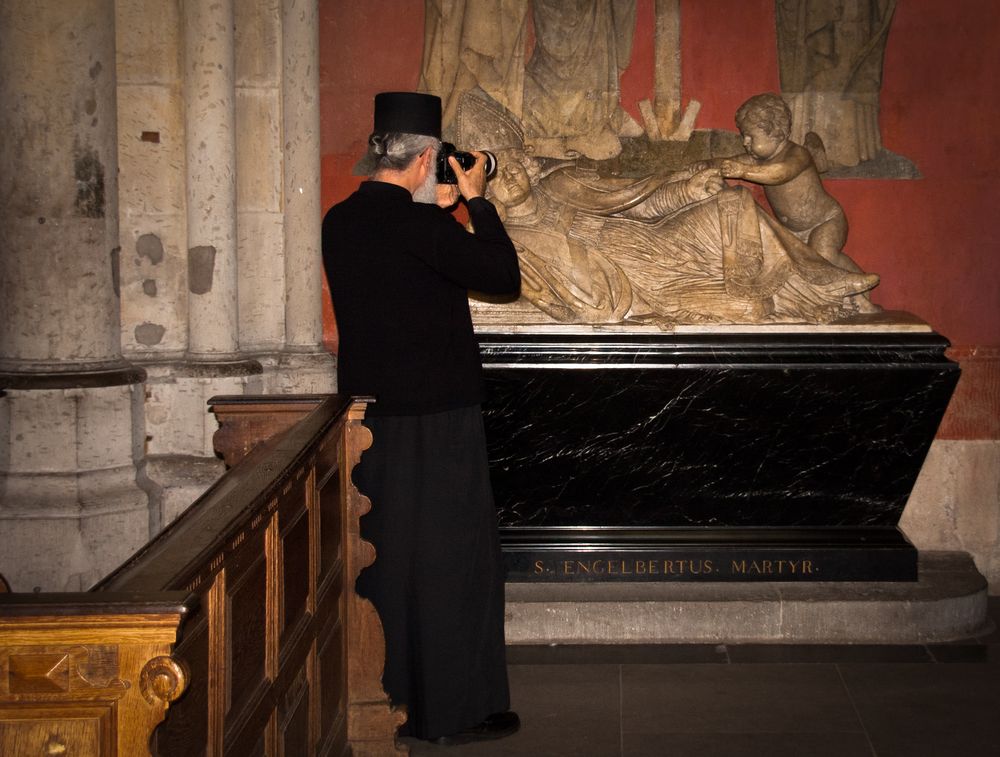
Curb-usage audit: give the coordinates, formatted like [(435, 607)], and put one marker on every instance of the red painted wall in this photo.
[(934, 240)]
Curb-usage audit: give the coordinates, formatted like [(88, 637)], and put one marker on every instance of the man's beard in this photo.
[(427, 192)]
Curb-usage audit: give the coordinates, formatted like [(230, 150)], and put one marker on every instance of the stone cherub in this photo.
[(791, 181)]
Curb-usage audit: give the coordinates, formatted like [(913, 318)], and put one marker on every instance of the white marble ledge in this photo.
[(886, 322)]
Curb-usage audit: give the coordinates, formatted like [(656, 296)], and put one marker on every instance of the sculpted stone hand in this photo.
[(471, 183), (732, 169), (704, 184)]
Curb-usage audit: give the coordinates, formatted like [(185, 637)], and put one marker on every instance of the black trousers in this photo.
[(437, 581)]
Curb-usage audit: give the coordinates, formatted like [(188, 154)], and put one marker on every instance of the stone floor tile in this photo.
[(566, 710), (747, 745), (813, 653), (965, 652), (933, 710), (735, 699)]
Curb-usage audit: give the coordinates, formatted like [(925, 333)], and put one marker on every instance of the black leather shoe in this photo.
[(496, 726)]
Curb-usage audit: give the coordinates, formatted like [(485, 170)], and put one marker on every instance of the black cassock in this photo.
[(437, 581)]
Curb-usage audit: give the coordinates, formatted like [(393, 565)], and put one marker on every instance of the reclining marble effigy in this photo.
[(665, 249)]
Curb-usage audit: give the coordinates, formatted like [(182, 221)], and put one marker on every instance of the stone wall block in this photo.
[(47, 556), (151, 150), (105, 423), (258, 149), (258, 42), (301, 373), (69, 450), (955, 503), (110, 490), (42, 431), (110, 539), (68, 554), (59, 292), (174, 410), (39, 496), (154, 286), (148, 39), (261, 282)]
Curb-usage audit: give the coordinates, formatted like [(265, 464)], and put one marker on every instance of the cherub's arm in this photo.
[(775, 171), (740, 157)]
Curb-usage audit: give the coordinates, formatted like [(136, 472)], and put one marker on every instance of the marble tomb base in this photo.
[(767, 453)]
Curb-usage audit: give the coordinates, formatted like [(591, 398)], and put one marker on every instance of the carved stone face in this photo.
[(758, 143), (511, 185)]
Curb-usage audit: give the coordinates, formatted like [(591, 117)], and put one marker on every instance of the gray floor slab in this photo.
[(933, 710), (747, 745), (725, 699), (940, 700), (564, 709)]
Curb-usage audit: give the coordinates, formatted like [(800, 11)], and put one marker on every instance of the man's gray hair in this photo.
[(397, 150)]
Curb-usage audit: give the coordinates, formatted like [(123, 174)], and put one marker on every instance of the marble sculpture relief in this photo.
[(663, 249), (566, 95), (830, 56), (613, 226)]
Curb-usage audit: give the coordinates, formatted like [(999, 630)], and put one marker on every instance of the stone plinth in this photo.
[(948, 602)]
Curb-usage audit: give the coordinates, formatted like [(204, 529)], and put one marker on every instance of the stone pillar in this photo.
[(258, 182), (71, 418), (305, 366), (152, 204), (210, 128), (303, 213)]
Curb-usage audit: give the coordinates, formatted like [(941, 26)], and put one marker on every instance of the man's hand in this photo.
[(704, 184), (447, 195), (471, 183)]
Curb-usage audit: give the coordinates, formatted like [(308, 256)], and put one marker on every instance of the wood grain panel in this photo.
[(284, 658)]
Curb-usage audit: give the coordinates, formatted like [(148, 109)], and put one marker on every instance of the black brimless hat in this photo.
[(408, 112)]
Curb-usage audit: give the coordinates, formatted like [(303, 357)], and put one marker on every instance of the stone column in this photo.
[(152, 204), (300, 108), (305, 365), (71, 419), (259, 182), (210, 127)]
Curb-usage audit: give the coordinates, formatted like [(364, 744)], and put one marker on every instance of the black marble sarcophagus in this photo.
[(772, 454)]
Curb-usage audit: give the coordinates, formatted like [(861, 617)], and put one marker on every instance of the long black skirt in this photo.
[(437, 581)]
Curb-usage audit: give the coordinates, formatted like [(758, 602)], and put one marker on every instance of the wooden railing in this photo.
[(277, 653)]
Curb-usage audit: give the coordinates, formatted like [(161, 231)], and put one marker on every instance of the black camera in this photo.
[(445, 174)]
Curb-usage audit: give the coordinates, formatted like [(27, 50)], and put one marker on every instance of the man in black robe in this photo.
[(399, 267)]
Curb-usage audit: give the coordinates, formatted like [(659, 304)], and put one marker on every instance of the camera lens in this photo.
[(465, 159), (491, 163)]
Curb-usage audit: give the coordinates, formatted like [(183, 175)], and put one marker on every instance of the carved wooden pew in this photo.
[(87, 674), (282, 657)]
